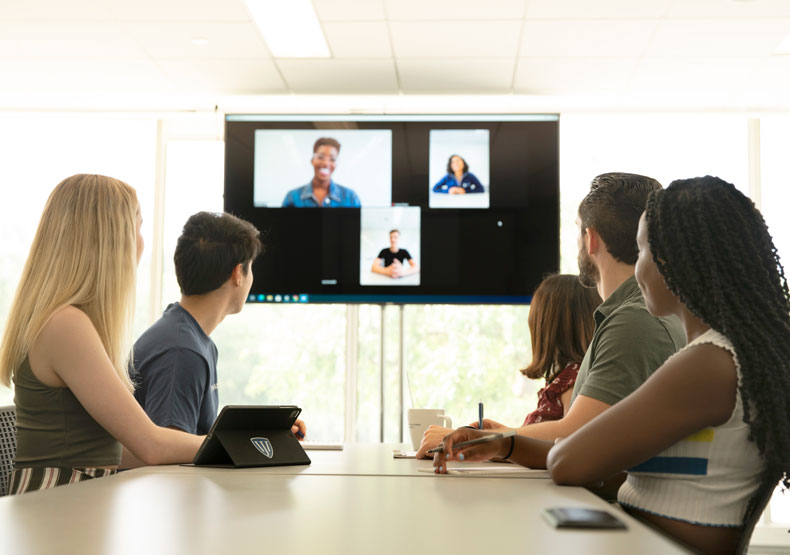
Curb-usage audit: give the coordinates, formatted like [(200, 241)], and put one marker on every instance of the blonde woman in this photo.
[(67, 343)]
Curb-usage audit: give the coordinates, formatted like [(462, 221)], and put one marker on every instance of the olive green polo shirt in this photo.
[(628, 345)]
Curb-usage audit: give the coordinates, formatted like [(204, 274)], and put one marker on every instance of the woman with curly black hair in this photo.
[(707, 433)]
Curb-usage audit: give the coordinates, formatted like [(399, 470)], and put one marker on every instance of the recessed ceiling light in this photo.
[(200, 41), (290, 28)]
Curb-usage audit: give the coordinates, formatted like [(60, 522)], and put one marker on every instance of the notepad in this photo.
[(320, 446), (403, 454), (499, 470)]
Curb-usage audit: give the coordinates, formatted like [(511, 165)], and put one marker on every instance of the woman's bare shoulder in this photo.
[(704, 373), (67, 323), (63, 340), (706, 362)]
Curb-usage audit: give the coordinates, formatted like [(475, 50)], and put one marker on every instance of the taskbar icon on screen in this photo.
[(278, 298)]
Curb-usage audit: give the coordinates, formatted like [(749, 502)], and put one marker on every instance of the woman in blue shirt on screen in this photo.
[(458, 180), (322, 191)]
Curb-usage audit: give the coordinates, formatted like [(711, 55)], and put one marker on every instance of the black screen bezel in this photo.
[(467, 257)]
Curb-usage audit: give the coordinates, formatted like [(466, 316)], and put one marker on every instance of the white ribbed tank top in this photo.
[(706, 478)]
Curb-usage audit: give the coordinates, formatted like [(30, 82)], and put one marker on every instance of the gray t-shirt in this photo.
[(628, 345), (175, 373)]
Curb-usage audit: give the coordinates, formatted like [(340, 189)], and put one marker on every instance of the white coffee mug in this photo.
[(420, 419)]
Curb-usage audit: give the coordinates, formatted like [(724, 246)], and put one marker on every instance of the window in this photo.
[(286, 354), (453, 358), (774, 197), (193, 183), (663, 146), (775, 191), (457, 356)]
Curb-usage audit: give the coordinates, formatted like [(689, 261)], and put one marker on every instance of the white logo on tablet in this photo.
[(263, 445)]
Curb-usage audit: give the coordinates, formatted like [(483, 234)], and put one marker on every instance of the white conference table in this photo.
[(367, 459), (182, 510)]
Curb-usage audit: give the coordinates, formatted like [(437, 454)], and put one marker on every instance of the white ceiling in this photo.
[(530, 47)]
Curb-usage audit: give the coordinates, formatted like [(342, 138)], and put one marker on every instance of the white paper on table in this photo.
[(499, 470), (403, 454), (320, 446)]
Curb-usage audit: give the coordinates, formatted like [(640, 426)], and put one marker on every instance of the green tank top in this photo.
[(53, 428)]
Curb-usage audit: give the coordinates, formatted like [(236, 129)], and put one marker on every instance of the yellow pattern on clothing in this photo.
[(705, 435)]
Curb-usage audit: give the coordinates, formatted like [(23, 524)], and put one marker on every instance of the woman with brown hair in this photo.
[(561, 326)]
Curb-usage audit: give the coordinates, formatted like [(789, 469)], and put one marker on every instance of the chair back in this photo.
[(7, 446), (763, 496)]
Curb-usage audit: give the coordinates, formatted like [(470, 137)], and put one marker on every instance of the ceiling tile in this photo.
[(455, 39), (600, 9), (454, 75), (572, 75), (223, 76), (693, 75), (55, 10), (460, 46), (358, 40), (729, 8), (604, 38), (68, 75), (336, 76), (179, 10), (349, 10), (718, 38), (174, 40), (75, 40), (452, 10)]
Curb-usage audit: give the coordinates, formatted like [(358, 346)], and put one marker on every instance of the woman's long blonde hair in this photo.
[(84, 254)]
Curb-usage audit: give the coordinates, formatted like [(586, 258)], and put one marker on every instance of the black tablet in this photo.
[(247, 436)]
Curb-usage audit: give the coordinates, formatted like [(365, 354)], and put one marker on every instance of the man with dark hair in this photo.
[(612, 209), (322, 191), (629, 343), (175, 360)]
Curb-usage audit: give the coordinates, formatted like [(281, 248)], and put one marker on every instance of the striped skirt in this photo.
[(32, 479)]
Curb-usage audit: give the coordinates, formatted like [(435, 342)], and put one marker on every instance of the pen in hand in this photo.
[(480, 416), (493, 436)]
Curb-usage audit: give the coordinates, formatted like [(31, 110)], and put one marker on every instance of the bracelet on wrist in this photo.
[(510, 451)]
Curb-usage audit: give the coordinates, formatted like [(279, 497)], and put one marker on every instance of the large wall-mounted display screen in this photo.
[(402, 209)]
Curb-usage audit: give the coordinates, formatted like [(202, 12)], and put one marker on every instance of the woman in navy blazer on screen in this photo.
[(458, 180)]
